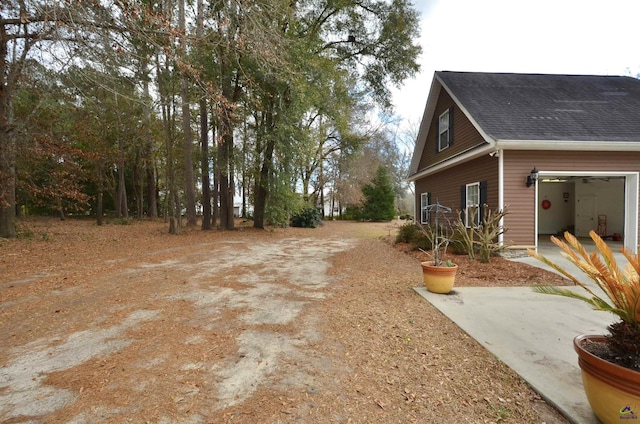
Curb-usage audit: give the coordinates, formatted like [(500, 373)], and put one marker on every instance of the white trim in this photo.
[(502, 144), (464, 110), (500, 155), (425, 123), (551, 145), (631, 186), (476, 205), (472, 153), (424, 207), (447, 130), (631, 200), (535, 212), (429, 111)]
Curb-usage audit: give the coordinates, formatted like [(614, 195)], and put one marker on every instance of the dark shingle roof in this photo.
[(549, 107)]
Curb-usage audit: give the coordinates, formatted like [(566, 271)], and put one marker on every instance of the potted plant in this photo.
[(438, 274), (610, 364)]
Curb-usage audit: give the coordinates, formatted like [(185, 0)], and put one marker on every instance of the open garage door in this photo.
[(606, 203)]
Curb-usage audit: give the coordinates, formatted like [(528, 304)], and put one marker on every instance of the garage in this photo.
[(580, 202)]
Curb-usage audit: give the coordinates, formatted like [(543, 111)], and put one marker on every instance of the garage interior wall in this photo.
[(561, 201)]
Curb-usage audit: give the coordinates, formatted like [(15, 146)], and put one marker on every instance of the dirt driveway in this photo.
[(125, 323)]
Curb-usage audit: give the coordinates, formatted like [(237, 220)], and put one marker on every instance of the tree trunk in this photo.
[(215, 192), (122, 209), (152, 210), (226, 177), (245, 149), (178, 209), (150, 168), (60, 209), (99, 207), (262, 186), (262, 180), (138, 184), (188, 158), (7, 181), (206, 184), (190, 185), (7, 149), (167, 121)]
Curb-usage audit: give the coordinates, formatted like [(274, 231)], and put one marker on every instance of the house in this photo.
[(560, 152)]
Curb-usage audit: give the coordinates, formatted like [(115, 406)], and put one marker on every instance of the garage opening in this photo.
[(579, 203)]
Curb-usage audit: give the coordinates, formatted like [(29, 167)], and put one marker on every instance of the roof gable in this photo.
[(549, 107), (540, 110)]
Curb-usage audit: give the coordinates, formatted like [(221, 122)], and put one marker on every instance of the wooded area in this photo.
[(175, 107)]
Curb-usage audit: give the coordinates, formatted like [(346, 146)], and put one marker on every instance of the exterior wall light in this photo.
[(532, 177)]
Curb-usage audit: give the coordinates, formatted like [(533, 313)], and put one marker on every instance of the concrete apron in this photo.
[(531, 333)]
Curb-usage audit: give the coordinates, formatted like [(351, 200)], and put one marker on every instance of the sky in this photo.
[(524, 36)]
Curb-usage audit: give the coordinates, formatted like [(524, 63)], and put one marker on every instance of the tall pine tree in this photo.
[(379, 198)]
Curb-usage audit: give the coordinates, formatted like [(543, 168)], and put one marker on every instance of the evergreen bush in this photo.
[(379, 204), (407, 232), (308, 217)]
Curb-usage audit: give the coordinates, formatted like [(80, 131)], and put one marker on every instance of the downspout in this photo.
[(499, 153), (535, 216)]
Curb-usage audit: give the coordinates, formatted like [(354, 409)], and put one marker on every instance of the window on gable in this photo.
[(472, 209), (444, 130), (424, 208)]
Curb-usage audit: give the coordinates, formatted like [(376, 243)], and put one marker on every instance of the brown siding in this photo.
[(465, 136), (520, 200), (445, 186)]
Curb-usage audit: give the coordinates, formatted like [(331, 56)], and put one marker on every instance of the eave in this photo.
[(572, 145), (462, 157), (547, 145)]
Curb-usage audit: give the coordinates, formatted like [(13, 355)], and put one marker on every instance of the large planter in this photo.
[(613, 391), (438, 279)]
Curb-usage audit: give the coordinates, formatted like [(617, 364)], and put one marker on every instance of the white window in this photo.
[(472, 209), (444, 133), (424, 208)]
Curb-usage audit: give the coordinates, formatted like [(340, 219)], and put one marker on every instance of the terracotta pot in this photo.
[(438, 279), (613, 391)]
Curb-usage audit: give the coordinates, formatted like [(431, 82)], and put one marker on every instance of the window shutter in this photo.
[(483, 198), (437, 134), (463, 203), (451, 126)]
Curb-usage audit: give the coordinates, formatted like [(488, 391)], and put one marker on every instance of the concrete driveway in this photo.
[(531, 333)]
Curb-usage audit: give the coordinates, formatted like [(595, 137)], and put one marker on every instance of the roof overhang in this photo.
[(492, 144), (470, 154), (558, 145), (429, 110), (434, 93)]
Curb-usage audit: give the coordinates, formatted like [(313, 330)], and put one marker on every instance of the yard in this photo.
[(126, 323)]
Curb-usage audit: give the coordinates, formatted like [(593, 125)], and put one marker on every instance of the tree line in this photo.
[(176, 107)]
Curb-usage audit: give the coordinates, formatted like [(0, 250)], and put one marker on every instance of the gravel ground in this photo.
[(126, 323)]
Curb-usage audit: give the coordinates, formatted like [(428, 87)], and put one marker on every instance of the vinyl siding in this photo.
[(520, 199), (465, 136), (445, 186)]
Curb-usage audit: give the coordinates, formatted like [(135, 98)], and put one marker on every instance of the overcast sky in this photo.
[(541, 36)]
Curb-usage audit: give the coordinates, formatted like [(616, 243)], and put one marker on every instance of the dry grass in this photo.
[(142, 326)]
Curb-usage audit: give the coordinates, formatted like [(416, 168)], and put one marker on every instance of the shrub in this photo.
[(459, 245), (308, 217), (421, 240), (413, 234), (353, 213), (407, 232), (483, 239), (489, 232), (465, 237)]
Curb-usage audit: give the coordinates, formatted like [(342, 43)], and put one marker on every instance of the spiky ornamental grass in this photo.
[(621, 287)]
